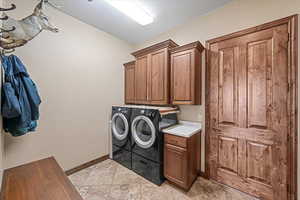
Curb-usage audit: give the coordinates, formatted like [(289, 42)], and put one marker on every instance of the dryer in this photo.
[(148, 142), (121, 135)]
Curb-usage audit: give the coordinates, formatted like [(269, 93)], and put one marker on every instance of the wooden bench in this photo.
[(40, 180)]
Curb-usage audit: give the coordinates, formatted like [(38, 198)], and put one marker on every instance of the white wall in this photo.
[(234, 16), (79, 74)]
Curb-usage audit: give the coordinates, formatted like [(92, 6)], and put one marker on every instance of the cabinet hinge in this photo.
[(289, 37)]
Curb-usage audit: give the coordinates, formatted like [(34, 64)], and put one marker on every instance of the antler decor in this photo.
[(2, 30), (16, 33), (13, 6)]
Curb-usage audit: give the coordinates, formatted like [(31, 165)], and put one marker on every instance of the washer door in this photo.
[(120, 127), (143, 132)]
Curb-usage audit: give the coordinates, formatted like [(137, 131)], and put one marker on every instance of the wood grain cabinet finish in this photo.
[(186, 74), (181, 159), (141, 68), (159, 69), (152, 74), (250, 109), (129, 82)]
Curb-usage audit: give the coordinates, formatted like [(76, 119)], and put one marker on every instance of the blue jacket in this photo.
[(20, 98)]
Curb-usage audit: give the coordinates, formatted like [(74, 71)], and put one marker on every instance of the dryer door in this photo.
[(143, 131), (120, 127)]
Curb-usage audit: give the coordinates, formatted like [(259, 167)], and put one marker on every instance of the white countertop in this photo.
[(184, 129)]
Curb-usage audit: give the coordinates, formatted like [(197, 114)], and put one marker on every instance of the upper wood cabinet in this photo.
[(158, 84), (129, 82), (186, 74), (141, 69), (152, 74), (165, 73)]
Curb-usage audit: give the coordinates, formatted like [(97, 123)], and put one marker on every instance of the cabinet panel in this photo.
[(141, 79), (186, 74), (182, 159), (176, 164), (227, 84), (181, 71), (259, 82), (259, 162), (176, 140), (228, 153), (152, 76), (258, 148), (158, 77), (130, 82)]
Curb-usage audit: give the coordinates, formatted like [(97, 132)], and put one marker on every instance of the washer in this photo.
[(121, 135), (148, 142)]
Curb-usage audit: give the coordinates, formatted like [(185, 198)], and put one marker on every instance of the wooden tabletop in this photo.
[(40, 180)]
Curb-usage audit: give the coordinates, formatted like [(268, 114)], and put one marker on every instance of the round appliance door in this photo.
[(143, 132), (120, 127)]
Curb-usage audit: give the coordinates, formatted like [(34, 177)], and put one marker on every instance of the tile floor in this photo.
[(111, 181)]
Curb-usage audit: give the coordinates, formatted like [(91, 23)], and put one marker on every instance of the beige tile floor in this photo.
[(111, 181)]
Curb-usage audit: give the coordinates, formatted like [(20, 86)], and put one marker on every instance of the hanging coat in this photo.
[(18, 91)]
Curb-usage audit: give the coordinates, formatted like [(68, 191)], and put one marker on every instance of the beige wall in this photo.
[(79, 74), (234, 16)]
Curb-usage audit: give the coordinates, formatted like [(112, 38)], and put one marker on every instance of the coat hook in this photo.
[(13, 6), (6, 31)]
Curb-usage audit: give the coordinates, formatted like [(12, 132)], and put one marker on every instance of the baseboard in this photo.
[(86, 165)]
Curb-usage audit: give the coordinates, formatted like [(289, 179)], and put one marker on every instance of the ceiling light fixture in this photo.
[(132, 9)]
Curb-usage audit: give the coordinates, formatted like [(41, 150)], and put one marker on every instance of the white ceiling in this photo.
[(167, 14)]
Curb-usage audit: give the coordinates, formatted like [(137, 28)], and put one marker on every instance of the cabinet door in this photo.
[(175, 164), (130, 83), (158, 77), (141, 68), (182, 77), (248, 125)]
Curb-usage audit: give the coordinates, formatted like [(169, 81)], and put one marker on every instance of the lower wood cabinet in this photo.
[(181, 159), (176, 164)]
